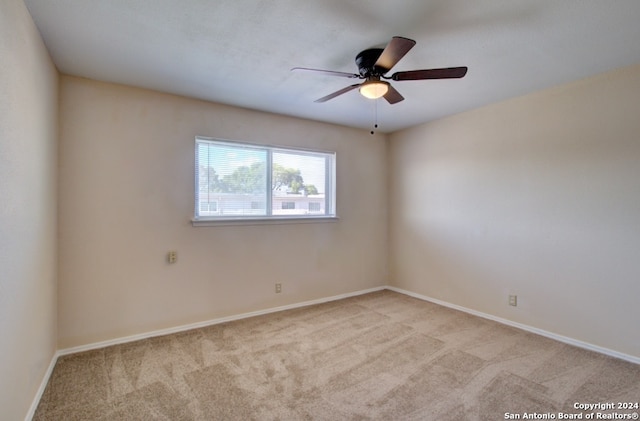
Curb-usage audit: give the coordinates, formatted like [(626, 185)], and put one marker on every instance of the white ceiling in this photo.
[(240, 52)]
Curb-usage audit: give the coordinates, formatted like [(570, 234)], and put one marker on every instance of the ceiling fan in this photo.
[(374, 63)]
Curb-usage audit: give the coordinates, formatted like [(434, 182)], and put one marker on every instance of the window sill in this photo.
[(269, 220)]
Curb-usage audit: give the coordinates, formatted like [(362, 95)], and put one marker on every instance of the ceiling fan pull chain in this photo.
[(375, 121)]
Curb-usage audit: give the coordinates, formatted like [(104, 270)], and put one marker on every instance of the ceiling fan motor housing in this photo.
[(366, 61)]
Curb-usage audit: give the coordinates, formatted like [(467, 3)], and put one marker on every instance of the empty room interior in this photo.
[(467, 246)]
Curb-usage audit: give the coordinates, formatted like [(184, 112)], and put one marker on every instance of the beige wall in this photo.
[(126, 198), (28, 164), (538, 196)]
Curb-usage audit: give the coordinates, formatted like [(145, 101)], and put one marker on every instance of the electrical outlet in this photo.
[(513, 300), (278, 288), (172, 256)]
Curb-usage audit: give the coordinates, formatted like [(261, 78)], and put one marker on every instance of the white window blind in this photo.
[(236, 180)]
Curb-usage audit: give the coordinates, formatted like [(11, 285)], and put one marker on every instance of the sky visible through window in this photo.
[(225, 160)]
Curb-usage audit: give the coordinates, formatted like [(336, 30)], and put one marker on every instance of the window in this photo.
[(315, 206), (241, 181), (208, 206)]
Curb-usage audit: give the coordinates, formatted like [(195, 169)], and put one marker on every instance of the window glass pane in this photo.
[(297, 179), (238, 180), (232, 177)]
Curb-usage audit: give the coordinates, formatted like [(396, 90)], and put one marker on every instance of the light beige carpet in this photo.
[(377, 356)]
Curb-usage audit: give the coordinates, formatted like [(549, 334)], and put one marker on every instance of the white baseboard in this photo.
[(43, 386), (197, 325), (541, 332)]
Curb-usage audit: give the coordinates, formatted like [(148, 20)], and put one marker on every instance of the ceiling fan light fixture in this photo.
[(374, 89)]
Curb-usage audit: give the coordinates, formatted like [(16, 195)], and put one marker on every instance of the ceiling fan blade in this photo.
[(326, 72), (446, 73), (393, 52), (337, 93), (393, 96)]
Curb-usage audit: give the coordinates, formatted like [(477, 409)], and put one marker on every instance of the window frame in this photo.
[(330, 214)]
